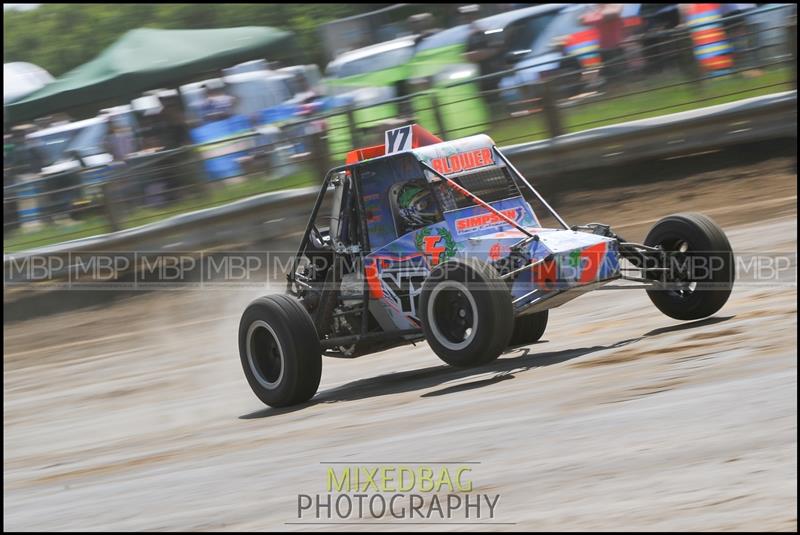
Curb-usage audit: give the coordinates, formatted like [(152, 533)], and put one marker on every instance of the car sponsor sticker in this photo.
[(439, 246), (479, 222), (463, 161)]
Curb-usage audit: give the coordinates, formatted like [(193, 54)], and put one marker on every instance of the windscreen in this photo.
[(50, 148), (522, 34), (376, 62), (490, 184), (452, 36), (256, 94), (90, 140), (87, 141)]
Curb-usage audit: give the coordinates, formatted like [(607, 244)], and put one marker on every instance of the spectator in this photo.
[(148, 114), (20, 163), (423, 26), (218, 105), (634, 53), (174, 127), (658, 38), (171, 176), (736, 28), (21, 156), (607, 19), (482, 52), (151, 133), (120, 145), (570, 73), (182, 178)]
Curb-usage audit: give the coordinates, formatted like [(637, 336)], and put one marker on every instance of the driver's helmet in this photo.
[(416, 205)]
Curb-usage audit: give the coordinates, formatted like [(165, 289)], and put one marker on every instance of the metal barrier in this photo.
[(270, 216)]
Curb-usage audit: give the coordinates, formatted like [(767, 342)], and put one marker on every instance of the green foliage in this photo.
[(59, 37)]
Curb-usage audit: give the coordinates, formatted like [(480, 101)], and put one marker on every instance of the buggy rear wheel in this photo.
[(700, 266), (529, 328), (280, 351), (467, 314)]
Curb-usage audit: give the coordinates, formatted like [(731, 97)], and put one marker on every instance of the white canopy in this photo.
[(21, 79)]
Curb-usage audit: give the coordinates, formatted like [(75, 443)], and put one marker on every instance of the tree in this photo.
[(59, 37)]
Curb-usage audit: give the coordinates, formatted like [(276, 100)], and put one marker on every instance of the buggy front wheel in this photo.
[(467, 315), (698, 269)]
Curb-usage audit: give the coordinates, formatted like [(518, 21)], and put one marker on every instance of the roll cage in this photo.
[(349, 238), (349, 173)]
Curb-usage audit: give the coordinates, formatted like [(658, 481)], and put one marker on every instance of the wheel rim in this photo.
[(452, 315), (265, 354), (682, 247)]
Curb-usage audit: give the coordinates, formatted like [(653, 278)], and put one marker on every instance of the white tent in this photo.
[(21, 79)]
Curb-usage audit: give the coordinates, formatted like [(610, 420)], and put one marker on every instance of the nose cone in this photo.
[(567, 260)]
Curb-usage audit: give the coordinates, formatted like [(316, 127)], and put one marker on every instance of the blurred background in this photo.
[(193, 130), (118, 117)]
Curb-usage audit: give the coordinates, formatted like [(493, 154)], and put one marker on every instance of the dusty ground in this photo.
[(138, 416)]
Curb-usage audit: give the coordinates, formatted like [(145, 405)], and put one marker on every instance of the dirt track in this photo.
[(138, 416)]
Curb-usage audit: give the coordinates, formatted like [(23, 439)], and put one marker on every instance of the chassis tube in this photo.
[(364, 247), (530, 187), (311, 219), (453, 184)]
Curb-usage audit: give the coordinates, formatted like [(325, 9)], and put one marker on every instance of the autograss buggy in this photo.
[(424, 239)]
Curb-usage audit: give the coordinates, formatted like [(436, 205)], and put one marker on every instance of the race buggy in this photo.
[(429, 240)]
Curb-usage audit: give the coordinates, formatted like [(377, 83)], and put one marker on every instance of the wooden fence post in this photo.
[(355, 138), (110, 205), (550, 105), (437, 115)]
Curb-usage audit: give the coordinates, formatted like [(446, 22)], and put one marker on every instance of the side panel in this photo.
[(578, 259), (396, 272)]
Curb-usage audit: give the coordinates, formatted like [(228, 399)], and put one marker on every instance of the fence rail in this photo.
[(271, 215)]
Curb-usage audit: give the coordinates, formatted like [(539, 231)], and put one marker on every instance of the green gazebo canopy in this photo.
[(148, 58)]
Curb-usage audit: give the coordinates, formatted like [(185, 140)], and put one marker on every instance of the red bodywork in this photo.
[(420, 138)]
